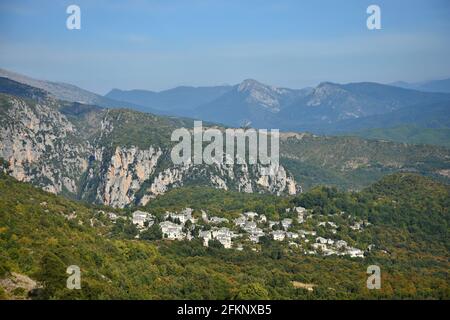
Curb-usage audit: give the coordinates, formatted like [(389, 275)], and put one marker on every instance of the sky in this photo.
[(157, 45)]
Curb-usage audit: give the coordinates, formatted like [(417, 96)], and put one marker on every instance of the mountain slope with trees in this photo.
[(41, 234)]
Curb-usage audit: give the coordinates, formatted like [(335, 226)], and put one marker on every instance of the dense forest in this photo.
[(41, 234)]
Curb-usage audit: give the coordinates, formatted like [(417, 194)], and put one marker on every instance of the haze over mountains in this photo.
[(120, 157), (430, 86), (179, 100), (328, 108), (68, 92)]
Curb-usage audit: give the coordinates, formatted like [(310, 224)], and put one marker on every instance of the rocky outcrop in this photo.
[(127, 170), (51, 149), (35, 141)]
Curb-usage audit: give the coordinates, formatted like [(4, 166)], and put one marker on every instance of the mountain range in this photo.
[(429, 86), (121, 157), (326, 109), (69, 92), (75, 175)]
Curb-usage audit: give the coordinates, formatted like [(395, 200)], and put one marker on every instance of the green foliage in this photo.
[(51, 275), (37, 238), (352, 163), (152, 233), (124, 229), (252, 291), (408, 134), (219, 202)]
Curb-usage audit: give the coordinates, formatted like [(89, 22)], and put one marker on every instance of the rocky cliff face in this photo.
[(37, 142), (124, 174), (81, 154)]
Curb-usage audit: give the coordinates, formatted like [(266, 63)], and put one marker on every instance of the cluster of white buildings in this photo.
[(332, 247), (251, 226)]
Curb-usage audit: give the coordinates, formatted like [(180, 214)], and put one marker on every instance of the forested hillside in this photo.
[(41, 234)]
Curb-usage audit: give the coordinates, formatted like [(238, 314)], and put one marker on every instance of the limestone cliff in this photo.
[(90, 154)]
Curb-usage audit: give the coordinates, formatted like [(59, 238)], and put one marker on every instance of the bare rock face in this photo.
[(35, 141), (17, 286), (278, 181), (128, 169), (76, 155)]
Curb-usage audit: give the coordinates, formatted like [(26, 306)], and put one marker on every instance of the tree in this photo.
[(213, 243), (152, 233), (52, 275), (253, 291), (124, 228)]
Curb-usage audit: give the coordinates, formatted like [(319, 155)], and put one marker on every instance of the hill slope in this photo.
[(117, 157), (408, 134), (41, 234), (69, 92), (430, 86), (177, 101)]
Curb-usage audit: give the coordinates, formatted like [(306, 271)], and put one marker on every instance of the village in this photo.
[(249, 227)]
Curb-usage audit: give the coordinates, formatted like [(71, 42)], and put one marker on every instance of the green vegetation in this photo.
[(218, 202), (408, 134), (41, 234), (132, 128), (352, 163)]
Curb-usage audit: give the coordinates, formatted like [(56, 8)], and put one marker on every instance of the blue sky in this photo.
[(157, 45)]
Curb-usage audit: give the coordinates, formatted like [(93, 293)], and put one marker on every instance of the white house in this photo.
[(224, 238), (206, 236), (356, 226), (292, 235), (300, 210), (262, 218), (139, 217), (258, 231), (321, 240), (250, 215), (286, 223), (221, 232), (249, 226), (332, 224), (341, 244), (217, 220), (278, 235), (240, 221), (355, 253), (183, 216), (205, 216), (254, 238), (112, 216), (172, 230)]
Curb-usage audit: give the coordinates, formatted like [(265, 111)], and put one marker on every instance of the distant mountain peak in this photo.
[(324, 91), (250, 84), (426, 86), (327, 84), (261, 94)]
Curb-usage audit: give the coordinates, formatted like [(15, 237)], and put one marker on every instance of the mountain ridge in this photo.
[(67, 92), (121, 157), (325, 109)]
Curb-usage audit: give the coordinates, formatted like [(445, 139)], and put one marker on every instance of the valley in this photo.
[(95, 187)]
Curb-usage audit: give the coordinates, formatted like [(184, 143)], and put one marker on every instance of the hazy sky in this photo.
[(161, 44)]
